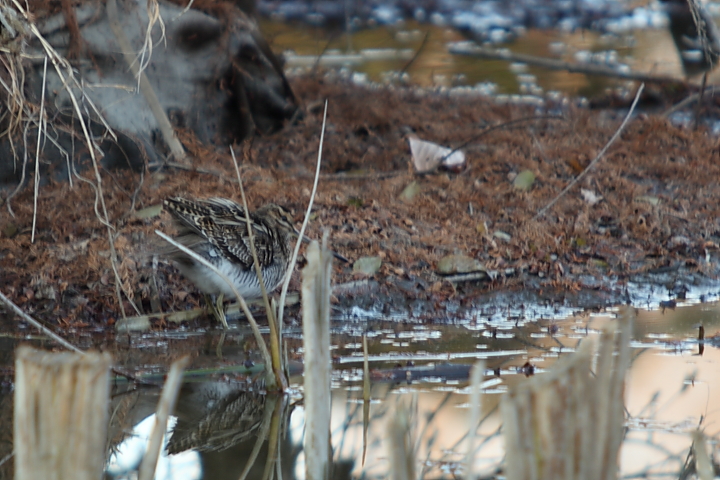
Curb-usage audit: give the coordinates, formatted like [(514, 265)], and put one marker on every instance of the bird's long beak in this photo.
[(335, 254)]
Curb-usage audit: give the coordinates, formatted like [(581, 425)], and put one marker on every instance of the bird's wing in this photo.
[(222, 223), (234, 241)]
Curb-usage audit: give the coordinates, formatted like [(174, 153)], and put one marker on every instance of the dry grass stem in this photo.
[(286, 283), (184, 11), (251, 236), (596, 159), (145, 55), (42, 125), (277, 366)]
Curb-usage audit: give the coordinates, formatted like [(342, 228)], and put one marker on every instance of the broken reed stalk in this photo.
[(567, 423), (61, 414), (316, 292), (269, 376), (615, 136), (165, 407), (276, 356), (476, 378)]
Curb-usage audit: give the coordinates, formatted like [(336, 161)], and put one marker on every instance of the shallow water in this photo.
[(672, 385), (377, 55)]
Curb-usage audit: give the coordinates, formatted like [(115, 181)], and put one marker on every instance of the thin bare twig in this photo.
[(511, 123), (315, 66), (57, 338), (20, 313), (597, 158), (417, 53)]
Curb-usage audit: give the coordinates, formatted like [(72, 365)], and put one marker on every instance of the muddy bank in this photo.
[(649, 208)]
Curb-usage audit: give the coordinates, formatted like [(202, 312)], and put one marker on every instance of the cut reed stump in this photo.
[(568, 423), (316, 290), (61, 414)]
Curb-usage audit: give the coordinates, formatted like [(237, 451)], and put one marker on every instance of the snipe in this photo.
[(216, 230)]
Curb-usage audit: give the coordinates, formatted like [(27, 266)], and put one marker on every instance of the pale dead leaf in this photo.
[(589, 196), (427, 156)]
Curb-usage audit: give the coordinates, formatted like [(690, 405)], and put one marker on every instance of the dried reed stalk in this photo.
[(286, 283), (165, 407), (281, 382), (61, 414), (166, 128), (567, 423), (316, 291)]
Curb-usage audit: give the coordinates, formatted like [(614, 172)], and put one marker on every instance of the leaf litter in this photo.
[(658, 185)]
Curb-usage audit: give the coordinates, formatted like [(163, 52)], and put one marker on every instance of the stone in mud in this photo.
[(367, 265), (453, 264)]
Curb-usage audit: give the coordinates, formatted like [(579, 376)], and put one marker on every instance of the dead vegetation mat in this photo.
[(658, 183)]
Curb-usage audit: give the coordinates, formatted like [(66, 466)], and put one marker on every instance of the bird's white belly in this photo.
[(244, 281)]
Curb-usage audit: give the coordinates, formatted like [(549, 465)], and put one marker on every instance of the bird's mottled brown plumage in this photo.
[(216, 229)]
